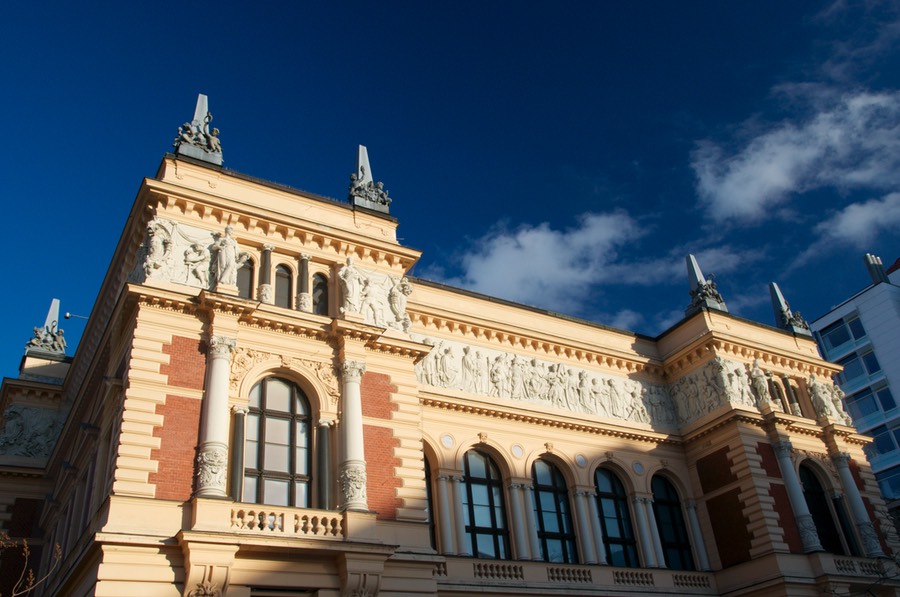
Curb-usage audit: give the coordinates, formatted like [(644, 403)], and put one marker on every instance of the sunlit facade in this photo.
[(263, 404)]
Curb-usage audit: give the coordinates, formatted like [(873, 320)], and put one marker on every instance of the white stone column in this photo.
[(445, 506), (304, 298), (463, 546), (809, 537), (647, 548), (212, 454), (584, 533), (519, 524), (596, 529), (353, 465), (654, 533), (697, 535), (866, 529), (531, 517)]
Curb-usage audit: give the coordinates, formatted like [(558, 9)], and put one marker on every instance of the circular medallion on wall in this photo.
[(518, 451), (638, 468), (580, 460), (447, 440)]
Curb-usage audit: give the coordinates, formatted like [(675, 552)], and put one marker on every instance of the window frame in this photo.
[(497, 532), (617, 500), (673, 532), (261, 415), (558, 493), (284, 284)]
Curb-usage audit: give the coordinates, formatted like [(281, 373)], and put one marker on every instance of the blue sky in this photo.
[(565, 155)]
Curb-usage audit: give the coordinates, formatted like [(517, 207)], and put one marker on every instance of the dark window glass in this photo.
[(861, 404), (283, 287), (883, 442), (278, 445), (484, 509), (245, 280), (871, 363), (551, 503), (670, 522), (856, 328), (817, 502), (320, 294), (886, 399), (835, 335), (615, 520)]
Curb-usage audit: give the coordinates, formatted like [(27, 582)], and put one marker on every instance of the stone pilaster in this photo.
[(237, 455), (304, 298), (594, 515), (646, 543), (353, 466), (265, 292), (697, 535), (654, 532), (445, 507), (519, 524), (463, 546), (531, 517), (864, 526), (809, 537), (584, 534), (212, 455)]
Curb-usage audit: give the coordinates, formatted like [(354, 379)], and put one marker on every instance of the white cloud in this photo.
[(538, 265), (563, 269), (856, 225), (853, 141)]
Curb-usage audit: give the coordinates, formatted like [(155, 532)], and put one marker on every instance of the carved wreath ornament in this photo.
[(245, 359)]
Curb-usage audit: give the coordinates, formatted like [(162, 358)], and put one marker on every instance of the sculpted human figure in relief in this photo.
[(351, 286), (196, 259), (228, 258)]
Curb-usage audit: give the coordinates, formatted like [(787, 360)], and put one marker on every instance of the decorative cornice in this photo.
[(223, 303), (534, 418), (625, 363)]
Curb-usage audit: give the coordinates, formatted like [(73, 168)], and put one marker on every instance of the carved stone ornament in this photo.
[(513, 377), (353, 484), (29, 431), (206, 589), (706, 290), (809, 537), (196, 138), (181, 254), (229, 258), (826, 401), (379, 298), (221, 346), (871, 544), (304, 302), (212, 467), (783, 449), (245, 359), (353, 371), (49, 338), (266, 294)]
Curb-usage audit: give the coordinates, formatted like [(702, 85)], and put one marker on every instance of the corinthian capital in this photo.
[(353, 370), (220, 346)]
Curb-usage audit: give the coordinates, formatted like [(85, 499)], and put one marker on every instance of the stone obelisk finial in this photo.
[(48, 339), (364, 191), (703, 290), (786, 319), (196, 139)]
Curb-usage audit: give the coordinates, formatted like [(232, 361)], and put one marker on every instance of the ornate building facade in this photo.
[(264, 403)]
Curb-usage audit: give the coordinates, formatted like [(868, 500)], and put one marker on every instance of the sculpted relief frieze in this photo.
[(495, 374), (513, 377), (29, 431), (380, 299)]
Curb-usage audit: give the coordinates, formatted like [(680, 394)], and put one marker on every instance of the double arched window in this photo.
[(556, 533), (615, 520), (484, 509), (278, 445), (824, 510)]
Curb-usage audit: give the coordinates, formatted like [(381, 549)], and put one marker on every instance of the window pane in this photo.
[(277, 452), (871, 362), (861, 404), (245, 280), (302, 495), (886, 399), (856, 328), (835, 335), (476, 465), (282, 286), (278, 396), (485, 546), (255, 394), (276, 492), (250, 485), (853, 368)]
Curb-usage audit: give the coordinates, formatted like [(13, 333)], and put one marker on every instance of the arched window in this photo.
[(277, 447), (615, 520), (245, 280), (484, 509), (283, 286), (818, 503), (320, 294), (551, 504), (670, 522)]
